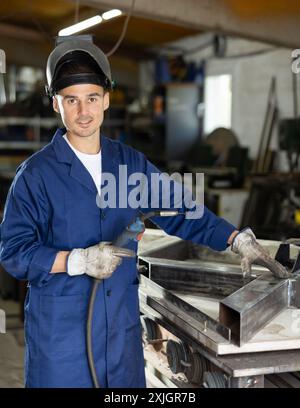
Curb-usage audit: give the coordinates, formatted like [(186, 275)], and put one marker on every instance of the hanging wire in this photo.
[(177, 50), (125, 26), (251, 54), (201, 47), (37, 23), (41, 29), (76, 15)]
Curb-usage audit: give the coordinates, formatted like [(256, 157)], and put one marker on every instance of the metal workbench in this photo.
[(222, 349)]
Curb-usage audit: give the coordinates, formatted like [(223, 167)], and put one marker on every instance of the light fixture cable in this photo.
[(124, 30)]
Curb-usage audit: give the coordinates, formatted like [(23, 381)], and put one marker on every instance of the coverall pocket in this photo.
[(62, 323), (132, 303), (133, 353)]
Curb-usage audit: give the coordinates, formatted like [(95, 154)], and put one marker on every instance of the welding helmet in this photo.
[(77, 49)]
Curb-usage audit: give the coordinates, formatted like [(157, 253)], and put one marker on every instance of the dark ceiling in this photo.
[(47, 17)]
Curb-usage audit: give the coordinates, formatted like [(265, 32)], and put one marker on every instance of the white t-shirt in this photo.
[(92, 162)]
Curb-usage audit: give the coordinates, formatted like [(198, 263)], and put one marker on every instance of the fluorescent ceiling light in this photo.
[(111, 14), (83, 25)]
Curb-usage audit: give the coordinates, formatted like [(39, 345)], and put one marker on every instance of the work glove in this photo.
[(251, 252), (98, 261)]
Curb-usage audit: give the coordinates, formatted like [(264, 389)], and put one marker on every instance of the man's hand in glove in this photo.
[(251, 252), (98, 261)]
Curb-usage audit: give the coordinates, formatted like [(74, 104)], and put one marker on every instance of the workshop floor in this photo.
[(11, 347)]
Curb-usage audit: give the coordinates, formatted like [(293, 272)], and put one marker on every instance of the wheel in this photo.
[(149, 328), (174, 353), (185, 352), (195, 372), (214, 380)]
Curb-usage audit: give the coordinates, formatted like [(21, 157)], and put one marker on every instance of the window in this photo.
[(217, 99)]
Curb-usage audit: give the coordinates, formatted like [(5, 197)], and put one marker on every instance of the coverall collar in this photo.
[(64, 154), (62, 150)]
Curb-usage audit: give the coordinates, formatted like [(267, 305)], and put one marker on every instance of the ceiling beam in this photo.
[(15, 31), (214, 15), (17, 43)]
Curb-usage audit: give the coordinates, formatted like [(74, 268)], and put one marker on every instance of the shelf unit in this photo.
[(36, 123), (23, 121)]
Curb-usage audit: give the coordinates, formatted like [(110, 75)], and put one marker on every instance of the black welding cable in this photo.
[(89, 344)]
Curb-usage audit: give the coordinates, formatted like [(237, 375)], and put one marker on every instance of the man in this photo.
[(56, 236)]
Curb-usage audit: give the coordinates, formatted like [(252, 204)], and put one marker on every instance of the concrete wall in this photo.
[(251, 78)]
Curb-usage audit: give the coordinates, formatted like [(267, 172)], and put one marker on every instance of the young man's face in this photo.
[(82, 108)]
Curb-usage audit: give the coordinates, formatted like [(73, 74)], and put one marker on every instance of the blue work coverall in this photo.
[(51, 206)]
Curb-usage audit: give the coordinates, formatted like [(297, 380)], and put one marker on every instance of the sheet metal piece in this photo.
[(246, 306), (195, 276), (251, 307), (294, 291), (178, 311)]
